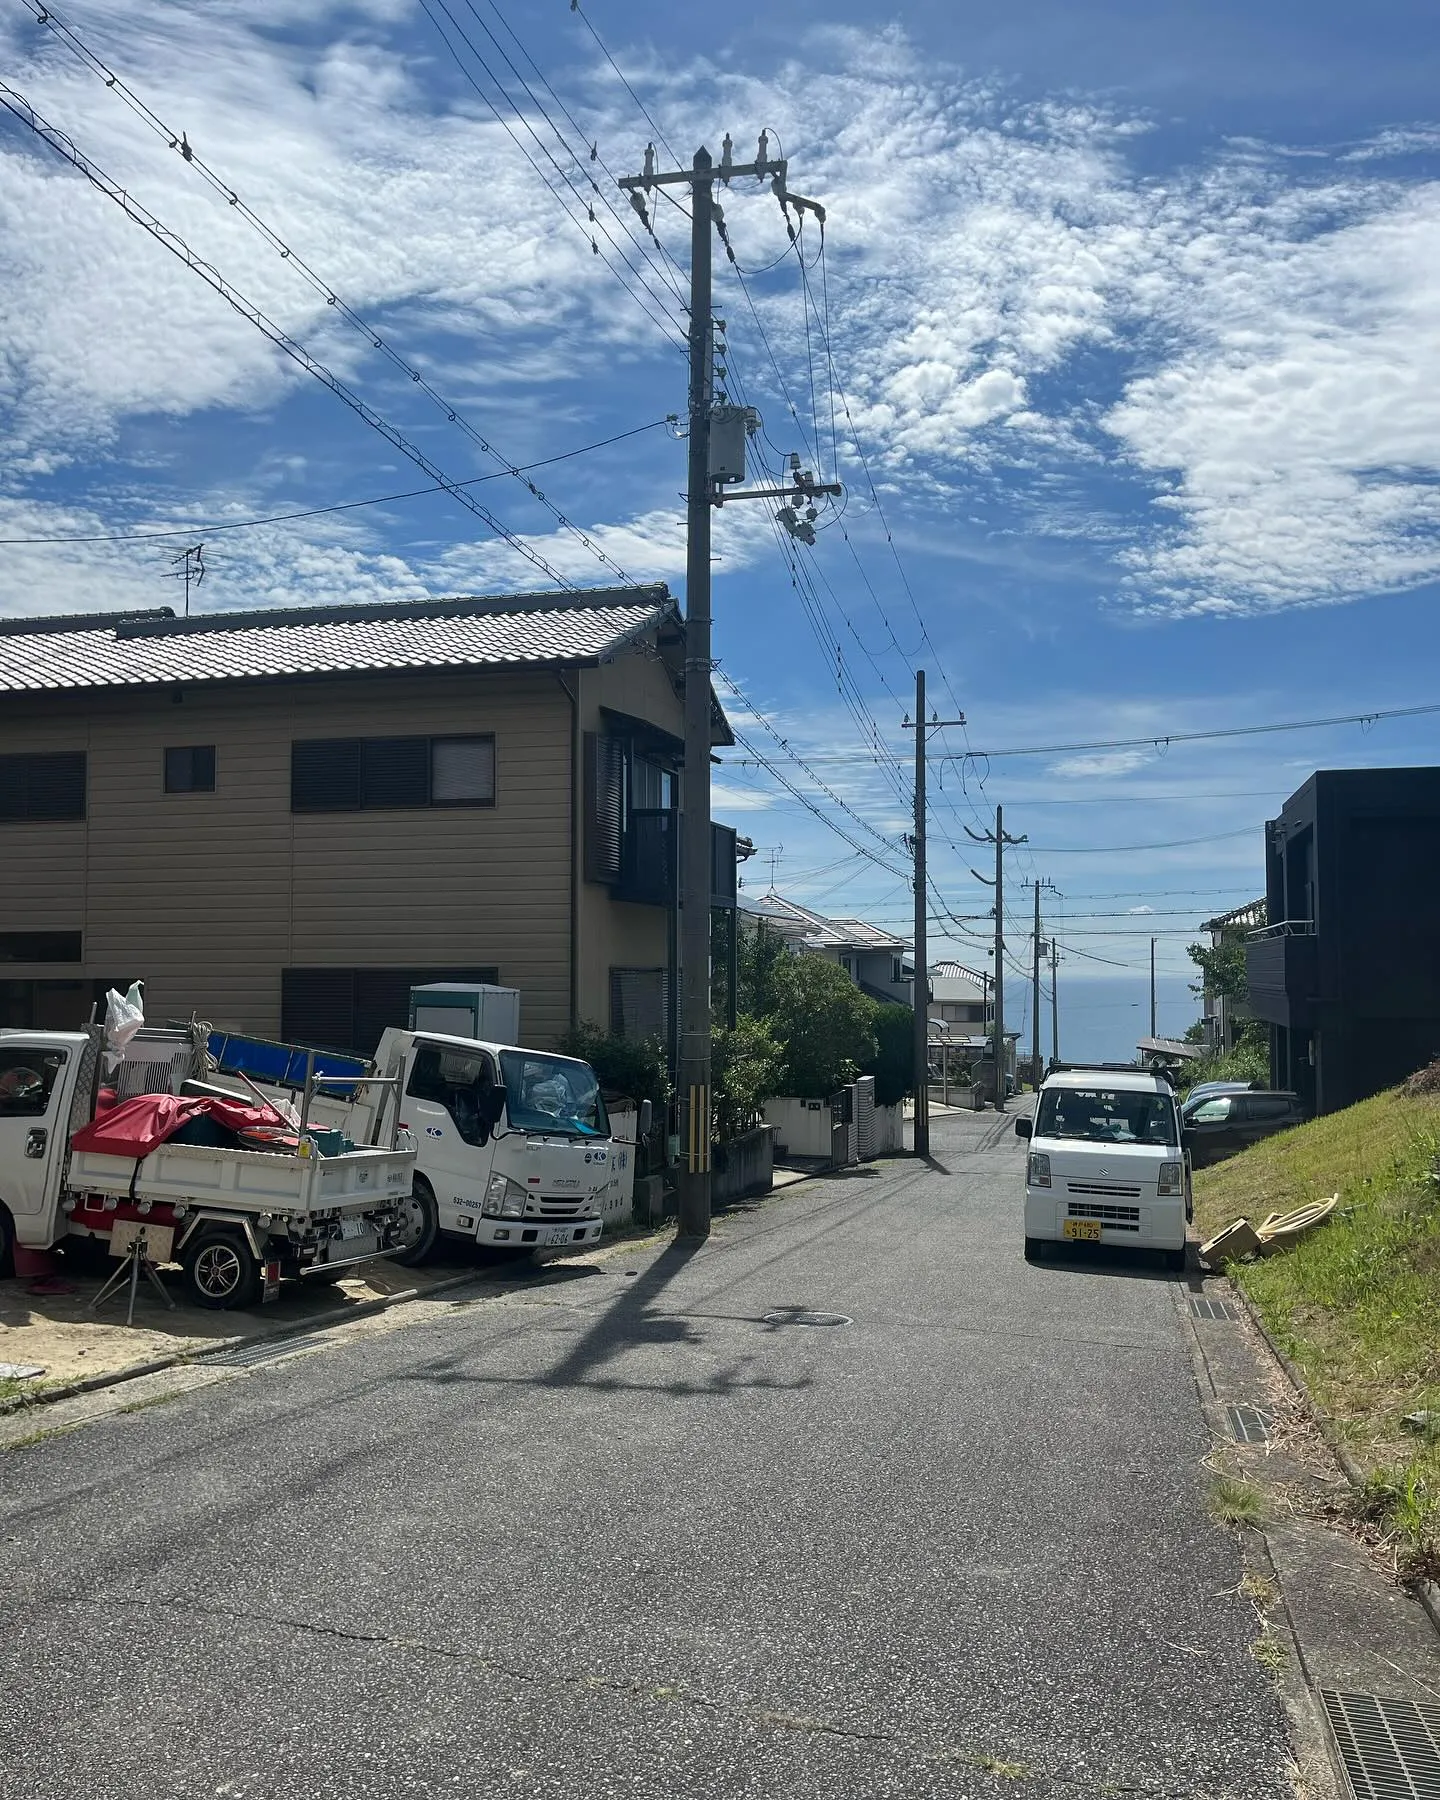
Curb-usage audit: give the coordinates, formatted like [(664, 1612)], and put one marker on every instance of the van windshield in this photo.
[(547, 1093), (1106, 1116)]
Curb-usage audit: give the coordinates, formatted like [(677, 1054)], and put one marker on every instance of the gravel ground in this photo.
[(641, 1532)]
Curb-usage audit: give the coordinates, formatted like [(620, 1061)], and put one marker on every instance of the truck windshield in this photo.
[(1106, 1116), (547, 1093)]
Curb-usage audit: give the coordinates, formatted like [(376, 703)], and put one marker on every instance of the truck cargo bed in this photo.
[(248, 1179)]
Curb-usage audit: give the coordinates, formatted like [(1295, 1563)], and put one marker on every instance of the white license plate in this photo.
[(353, 1228), (560, 1237)]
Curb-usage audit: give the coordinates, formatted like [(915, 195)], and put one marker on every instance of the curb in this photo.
[(92, 1384), (1426, 1592)]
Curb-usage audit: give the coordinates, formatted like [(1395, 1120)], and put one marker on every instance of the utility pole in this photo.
[(999, 839), (922, 727), (1054, 1000), (1152, 987), (703, 491), (1035, 991)]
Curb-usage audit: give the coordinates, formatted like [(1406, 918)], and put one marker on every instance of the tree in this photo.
[(824, 1024), (744, 1072), (760, 953), (1221, 966), (893, 1064), (633, 1067)]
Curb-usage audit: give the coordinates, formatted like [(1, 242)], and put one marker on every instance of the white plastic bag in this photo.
[(124, 1015)]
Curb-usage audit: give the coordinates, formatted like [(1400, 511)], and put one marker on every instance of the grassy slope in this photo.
[(1357, 1303)]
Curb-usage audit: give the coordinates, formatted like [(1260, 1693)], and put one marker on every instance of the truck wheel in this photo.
[(1034, 1249), (1175, 1260), (420, 1224), (7, 1245), (221, 1271)]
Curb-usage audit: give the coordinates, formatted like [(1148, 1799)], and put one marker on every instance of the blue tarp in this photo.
[(282, 1065)]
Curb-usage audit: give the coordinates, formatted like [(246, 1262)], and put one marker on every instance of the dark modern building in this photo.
[(1347, 973)]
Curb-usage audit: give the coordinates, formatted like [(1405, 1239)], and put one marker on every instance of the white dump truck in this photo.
[(514, 1147), (98, 1147)]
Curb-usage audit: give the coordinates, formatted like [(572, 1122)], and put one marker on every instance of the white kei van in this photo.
[(1107, 1162)]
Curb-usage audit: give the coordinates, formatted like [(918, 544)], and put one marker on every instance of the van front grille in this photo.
[(1114, 1218), (1109, 1189)]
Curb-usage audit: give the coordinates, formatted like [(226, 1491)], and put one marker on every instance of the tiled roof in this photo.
[(795, 921), (133, 649)]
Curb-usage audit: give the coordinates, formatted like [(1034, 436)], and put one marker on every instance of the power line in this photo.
[(178, 142), (660, 135), (16, 103), (315, 512)]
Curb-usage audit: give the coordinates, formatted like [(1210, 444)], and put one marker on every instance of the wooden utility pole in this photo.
[(998, 838)]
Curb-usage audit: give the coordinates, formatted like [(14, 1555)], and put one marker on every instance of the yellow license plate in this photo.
[(1088, 1229)]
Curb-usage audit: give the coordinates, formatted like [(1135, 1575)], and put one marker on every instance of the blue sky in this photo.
[(1134, 313)]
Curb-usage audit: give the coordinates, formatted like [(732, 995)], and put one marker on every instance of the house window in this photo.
[(363, 774), (40, 947), (347, 1009), (50, 1005), (49, 786), (190, 769), (897, 972)]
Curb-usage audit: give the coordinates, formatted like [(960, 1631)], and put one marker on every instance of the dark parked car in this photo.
[(1223, 1124)]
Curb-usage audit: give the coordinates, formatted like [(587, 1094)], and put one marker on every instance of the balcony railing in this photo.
[(649, 860), (1286, 928)]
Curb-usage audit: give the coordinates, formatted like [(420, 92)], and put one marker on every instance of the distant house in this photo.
[(876, 961), (280, 819), (1224, 1015), (1346, 972), (959, 1001)]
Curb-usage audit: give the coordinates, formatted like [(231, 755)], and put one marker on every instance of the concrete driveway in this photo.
[(848, 1501)]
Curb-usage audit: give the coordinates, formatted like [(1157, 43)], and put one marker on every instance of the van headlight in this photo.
[(1171, 1183), (1037, 1170)]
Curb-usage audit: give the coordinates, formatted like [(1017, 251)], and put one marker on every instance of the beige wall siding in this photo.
[(208, 896)]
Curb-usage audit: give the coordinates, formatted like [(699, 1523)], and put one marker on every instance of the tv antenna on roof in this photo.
[(191, 570)]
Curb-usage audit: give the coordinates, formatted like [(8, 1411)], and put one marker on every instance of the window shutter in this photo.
[(50, 786), (604, 768), (395, 772), (317, 1008), (325, 775), (639, 1004)]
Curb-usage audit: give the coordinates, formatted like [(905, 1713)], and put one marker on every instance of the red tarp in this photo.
[(135, 1127)]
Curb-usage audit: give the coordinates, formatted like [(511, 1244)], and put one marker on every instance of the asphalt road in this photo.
[(646, 1534)]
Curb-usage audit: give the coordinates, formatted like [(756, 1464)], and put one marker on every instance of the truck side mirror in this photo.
[(642, 1122), (1024, 1127), (493, 1106)]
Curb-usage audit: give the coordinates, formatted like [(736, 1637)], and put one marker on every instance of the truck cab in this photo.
[(514, 1146), (1107, 1162)]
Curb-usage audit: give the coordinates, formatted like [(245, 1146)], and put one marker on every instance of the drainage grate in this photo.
[(1205, 1308), (1390, 1748), (1251, 1426), (245, 1356)]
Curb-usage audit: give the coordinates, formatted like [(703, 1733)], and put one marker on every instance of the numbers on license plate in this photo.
[(559, 1237), (1087, 1229)]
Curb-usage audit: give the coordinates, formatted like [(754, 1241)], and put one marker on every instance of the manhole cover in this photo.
[(788, 1317), (1251, 1426), (1205, 1308), (245, 1356), (1390, 1748)]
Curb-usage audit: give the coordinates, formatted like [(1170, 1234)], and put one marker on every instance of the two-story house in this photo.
[(281, 819), (1346, 972), (877, 961)]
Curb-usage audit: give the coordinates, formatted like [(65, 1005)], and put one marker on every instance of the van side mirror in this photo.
[(642, 1121), (1024, 1127)]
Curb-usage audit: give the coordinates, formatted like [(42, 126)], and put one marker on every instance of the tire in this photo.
[(7, 1245), (1034, 1249), (221, 1270), (422, 1225), (1175, 1260)]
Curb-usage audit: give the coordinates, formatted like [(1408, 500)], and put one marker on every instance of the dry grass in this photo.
[(1356, 1305)]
